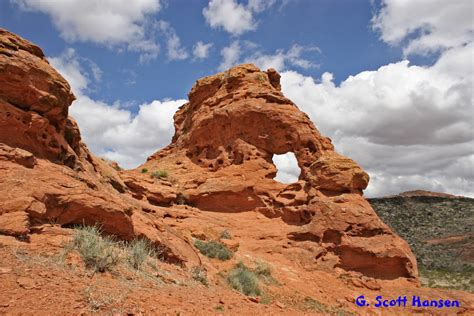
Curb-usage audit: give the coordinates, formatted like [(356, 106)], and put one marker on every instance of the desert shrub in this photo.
[(213, 249), (97, 252), (312, 304), (199, 274), (144, 170), (159, 174), (439, 264), (244, 280), (226, 234), (95, 301), (263, 272), (139, 251)]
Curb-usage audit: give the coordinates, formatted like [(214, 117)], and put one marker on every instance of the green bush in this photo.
[(139, 251), (144, 170), (213, 249), (97, 252), (243, 280), (159, 174)]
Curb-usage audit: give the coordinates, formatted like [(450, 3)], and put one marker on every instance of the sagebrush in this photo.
[(98, 253), (242, 279), (213, 249)]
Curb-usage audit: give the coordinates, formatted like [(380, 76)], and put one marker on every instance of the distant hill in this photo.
[(439, 229), (427, 193)]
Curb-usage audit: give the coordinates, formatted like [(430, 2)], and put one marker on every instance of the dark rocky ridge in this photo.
[(440, 232)]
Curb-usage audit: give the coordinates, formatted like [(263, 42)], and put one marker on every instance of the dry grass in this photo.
[(199, 274), (213, 249), (139, 251), (159, 174), (242, 279), (98, 253)]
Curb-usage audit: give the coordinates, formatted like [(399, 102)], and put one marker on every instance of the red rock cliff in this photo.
[(47, 175)]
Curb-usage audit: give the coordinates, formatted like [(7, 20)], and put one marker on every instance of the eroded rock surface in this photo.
[(47, 174), (220, 160), (319, 235)]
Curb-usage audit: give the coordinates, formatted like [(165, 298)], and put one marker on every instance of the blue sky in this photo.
[(346, 42), (389, 81)]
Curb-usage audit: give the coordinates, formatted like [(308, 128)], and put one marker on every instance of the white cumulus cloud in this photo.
[(111, 130), (230, 55), (238, 52), (127, 138), (260, 5), (409, 126), (235, 18), (175, 51), (109, 22), (425, 25), (201, 50)]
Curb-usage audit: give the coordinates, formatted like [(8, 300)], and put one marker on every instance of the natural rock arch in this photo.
[(221, 159)]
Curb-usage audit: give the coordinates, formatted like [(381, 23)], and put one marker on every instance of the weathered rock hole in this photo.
[(288, 170), (332, 236)]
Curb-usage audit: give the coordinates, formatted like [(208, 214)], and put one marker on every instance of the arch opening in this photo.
[(287, 167)]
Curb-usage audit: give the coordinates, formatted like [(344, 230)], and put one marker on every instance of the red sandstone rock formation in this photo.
[(220, 160), (47, 174), (319, 234)]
